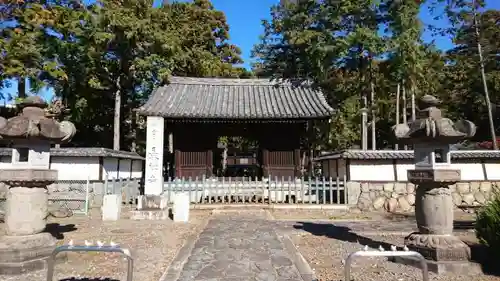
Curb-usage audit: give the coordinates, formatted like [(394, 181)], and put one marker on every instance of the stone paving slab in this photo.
[(239, 248), (250, 246)]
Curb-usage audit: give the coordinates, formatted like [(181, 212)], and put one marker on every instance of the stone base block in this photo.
[(181, 207), (147, 202), (439, 247), (442, 268), (155, 214), (111, 207), (21, 254)]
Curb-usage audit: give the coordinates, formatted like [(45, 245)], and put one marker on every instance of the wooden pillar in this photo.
[(297, 162), (177, 163), (210, 163), (265, 162)]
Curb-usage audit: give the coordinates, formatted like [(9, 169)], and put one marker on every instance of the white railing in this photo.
[(266, 191)]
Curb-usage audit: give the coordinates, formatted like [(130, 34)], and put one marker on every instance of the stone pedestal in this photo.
[(21, 254), (434, 214), (152, 202), (26, 210), (151, 207), (25, 247)]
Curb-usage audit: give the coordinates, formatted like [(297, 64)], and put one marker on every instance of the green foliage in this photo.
[(91, 54), (488, 226), (338, 46)]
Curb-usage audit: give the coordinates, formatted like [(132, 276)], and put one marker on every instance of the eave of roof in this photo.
[(236, 99), (403, 154), (84, 152)]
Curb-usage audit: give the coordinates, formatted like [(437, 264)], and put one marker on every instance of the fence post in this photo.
[(345, 190), (269, 199), (87, 195)]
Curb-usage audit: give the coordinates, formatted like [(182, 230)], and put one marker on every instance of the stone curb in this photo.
[(175, 268), (300, 262)]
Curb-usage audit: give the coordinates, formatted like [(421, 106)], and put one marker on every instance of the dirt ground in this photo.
[(326, 253), (327, 258), (153, 244), (304, 214)]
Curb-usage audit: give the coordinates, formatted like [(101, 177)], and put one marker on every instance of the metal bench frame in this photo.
[(106, 249), (380, 253)]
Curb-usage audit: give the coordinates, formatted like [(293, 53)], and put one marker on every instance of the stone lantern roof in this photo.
[(431, 126), (32, 124)]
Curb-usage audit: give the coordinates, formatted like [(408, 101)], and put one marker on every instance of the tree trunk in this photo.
[(483, 77), (374, 117), (396, 146), (413, 107), (364, 124), (133, 130), (405, 121), (21, 87), (116, 125)]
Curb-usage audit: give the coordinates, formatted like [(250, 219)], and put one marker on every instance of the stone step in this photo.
[(152, 214)]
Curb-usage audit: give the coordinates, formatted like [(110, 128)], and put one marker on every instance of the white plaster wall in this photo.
[(75, 168), (492, 170), (402, 167), (383, 170), (83, 168), (470, 171), (373, 170)]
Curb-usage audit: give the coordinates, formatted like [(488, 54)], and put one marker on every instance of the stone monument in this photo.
[(431, 135), (25, 246)]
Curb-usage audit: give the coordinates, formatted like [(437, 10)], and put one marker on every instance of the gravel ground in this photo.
[(154, 245), (298, 214), (325, 255), (294, 214)]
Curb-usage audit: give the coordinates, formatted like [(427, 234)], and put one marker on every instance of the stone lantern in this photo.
[(25, 246), (431, 135)]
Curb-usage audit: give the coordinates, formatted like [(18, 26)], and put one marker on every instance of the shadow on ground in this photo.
[(457, 224), (478, 252), (57, 230)]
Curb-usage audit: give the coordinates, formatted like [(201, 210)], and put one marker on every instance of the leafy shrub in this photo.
[(488, 225)]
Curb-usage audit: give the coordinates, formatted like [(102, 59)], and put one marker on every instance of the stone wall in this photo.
[(400, 196)]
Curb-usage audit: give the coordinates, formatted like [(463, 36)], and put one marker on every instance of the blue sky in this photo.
[(244, 19)]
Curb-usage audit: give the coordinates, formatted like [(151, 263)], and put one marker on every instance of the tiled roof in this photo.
[(218, 98), (404, 154), (84, 152)]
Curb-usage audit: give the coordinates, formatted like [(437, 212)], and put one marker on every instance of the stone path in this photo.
[(250, 247), (240, 248)]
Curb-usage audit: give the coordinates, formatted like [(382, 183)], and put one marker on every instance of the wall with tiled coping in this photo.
[(400, 196)]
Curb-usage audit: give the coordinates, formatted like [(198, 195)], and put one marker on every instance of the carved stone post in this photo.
[(25, 246), (431, 136)]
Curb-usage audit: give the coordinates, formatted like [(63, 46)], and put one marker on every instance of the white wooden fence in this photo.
[(267, 191)]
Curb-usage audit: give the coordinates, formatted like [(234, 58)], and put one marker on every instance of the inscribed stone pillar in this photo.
[(154, 155)]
